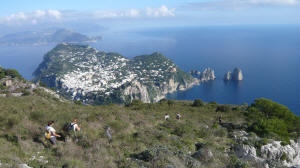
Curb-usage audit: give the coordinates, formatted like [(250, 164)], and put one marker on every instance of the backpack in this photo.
[(47, 135), (70, 127)]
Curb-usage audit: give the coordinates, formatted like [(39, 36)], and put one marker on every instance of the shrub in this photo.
[(78, 102), (136, 103), (13, 73), (223, 108), (198, 103), (25, 93), (163, 101), (11, 138), (236, 163), (171, 103)]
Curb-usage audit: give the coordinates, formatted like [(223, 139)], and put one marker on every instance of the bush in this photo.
[(136, 103), (13, 73), (78, 102), (236, 163), (223, 108), (25, 93), (265, 128), (274, 119), (171, 103), (198, 103)]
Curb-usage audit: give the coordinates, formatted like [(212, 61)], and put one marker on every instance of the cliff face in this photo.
[(83, 73)]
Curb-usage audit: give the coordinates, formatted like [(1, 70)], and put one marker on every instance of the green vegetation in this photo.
[(138, 130), (268, 119), (198, 103), (9, 72), (135, 128)]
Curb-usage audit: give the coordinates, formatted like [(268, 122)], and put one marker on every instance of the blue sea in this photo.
[(269, 57)]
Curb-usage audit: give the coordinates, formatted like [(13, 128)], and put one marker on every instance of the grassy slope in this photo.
[(135, 129)]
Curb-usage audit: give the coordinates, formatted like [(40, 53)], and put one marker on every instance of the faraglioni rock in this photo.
[(227, 76), (80, 72), (236, 75), (207, 74)]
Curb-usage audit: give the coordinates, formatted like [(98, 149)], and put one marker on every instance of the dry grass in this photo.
[(134, 129)]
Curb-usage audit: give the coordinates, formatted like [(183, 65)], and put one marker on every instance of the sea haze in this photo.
[(269, 57)]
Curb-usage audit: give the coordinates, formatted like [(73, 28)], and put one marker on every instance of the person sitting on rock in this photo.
[(167, 117), (178, 116), (50, 130)]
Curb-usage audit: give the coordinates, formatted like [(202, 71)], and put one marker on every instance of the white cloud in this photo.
[(162, 11), (54, 13), (31, 17), (45, 16), (273, 2), (241, 4)]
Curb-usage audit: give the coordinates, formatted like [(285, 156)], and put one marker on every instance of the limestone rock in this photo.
[(227, 76), (237, 74), (16, 94), (204, 154), (207, 74), (23, 166)]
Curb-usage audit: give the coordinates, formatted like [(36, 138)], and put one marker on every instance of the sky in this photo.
[(26, 14)]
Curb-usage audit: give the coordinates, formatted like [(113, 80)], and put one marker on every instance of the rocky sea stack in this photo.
[(207, 74), (236, 75), (83, 73)]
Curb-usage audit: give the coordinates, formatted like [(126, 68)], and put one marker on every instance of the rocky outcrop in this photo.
[(137, 91), (207, 74), (195, 72), (227, 76), (15, 87), (236, 75), (273, 153)]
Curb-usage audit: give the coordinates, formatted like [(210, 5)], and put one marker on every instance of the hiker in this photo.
[(178, 116), (220, 119), (74, 126), (51, 133), (108, 134), (167, 117), (70, 130)]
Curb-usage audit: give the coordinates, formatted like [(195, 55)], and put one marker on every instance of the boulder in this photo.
[(204, 154), (8, 83), (16, 94)]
